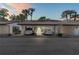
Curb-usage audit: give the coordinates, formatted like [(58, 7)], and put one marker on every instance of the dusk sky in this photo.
[(51, 10)]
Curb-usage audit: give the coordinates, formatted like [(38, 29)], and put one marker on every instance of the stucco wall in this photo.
[(68, 30), (23, 30), (4, 29)]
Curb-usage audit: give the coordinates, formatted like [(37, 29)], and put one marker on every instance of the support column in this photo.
[(54, 30)]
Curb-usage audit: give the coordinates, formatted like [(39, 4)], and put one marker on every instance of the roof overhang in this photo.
[(49, 23)]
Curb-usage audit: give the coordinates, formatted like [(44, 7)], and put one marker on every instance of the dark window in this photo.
[(28, 28), (16, 30)]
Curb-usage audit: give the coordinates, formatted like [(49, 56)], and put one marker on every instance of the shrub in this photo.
[(60, 34)]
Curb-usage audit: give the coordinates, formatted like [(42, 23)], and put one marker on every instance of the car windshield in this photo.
[(28, 28)]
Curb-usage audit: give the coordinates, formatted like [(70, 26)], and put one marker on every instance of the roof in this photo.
[(3, 23), (70, 23), (51, 23), (47, 22), (63, 23)]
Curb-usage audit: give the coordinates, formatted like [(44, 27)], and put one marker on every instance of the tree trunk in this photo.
[(70, 16), (66, 18), (26, 17), (75, 17), (54, 30), (31, 17)]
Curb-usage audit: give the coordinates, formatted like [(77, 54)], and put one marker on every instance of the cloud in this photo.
[(20, 6)]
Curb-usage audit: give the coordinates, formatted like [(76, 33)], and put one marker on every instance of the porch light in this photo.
[(38, 32)]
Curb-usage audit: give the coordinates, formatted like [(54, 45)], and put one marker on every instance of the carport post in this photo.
[(54, 29)]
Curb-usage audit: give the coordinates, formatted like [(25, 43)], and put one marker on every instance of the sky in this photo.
[(50, 10)]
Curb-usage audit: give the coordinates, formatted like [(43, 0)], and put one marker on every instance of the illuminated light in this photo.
[(38, 32), (76, 31)]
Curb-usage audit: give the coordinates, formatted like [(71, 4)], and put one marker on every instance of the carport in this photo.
[(40, 26), (65, 28)]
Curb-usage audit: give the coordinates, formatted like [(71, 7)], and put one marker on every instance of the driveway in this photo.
[(32, 45)]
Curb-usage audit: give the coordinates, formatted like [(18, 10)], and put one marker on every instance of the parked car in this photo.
[(29, 31), (48, 32)]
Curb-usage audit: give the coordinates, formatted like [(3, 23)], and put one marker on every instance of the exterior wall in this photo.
[(43, 28), (57, 29), (4, 29), (52, 29), (23, 30), (76, 31), (73, 18), (16, 25), (68, 30)]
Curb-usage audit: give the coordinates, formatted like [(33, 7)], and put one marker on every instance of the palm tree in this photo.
[(31, 10), (68, 13), (74, 15), (21, 17), (26, 13), (64, 15)]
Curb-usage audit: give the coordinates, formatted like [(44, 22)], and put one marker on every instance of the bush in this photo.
[(60, 34), (9, 34)]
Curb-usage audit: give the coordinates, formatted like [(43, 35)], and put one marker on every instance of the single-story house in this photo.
[(55, 26)]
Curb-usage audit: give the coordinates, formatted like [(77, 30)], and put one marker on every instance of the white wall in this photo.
[(4, 29)]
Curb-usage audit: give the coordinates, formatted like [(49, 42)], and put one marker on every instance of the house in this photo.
[(16, 28), (39, 27)]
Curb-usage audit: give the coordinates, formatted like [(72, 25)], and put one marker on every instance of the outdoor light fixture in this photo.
[(38, 32)]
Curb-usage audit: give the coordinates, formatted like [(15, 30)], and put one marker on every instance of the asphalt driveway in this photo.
[(31, 45)]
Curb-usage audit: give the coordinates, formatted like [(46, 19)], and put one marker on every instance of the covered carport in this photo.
[(40, 26), (65, 28)]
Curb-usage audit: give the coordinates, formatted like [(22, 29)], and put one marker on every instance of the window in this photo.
[(28, 28), (16, 30)]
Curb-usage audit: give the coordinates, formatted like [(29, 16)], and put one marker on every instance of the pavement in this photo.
[(32, 45)]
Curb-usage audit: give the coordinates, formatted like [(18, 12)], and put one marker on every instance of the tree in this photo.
[(21, 17), (31, 10), (13, 17), (26, 13), (3, 13), (17, 18), (74, 15), (42, 18), (68, 13)]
